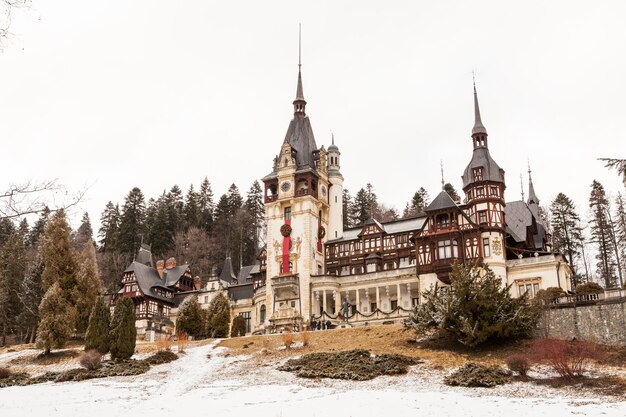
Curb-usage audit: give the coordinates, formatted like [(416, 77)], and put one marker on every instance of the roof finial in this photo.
[(299, 46), (478, 124), (521, 183), (332, 137), (532, 196), (443, 187)]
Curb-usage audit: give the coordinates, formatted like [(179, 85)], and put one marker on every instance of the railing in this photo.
[(613, 295), (271, 198), (306, 191), (358, 316)]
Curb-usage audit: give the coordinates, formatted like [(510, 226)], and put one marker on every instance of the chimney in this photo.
[(197, 283), (170, 263), (159, 268)]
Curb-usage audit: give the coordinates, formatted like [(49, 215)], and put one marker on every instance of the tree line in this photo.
[(192, 228)]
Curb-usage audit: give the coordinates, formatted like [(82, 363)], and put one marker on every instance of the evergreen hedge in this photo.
[(238, 327), (123, 330), (218, 319), (98, 331)]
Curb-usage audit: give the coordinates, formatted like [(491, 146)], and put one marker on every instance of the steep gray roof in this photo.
[(244, 273), (478, 123), (241, 291), (227, 273), (148, 279), (172, 275), (442, 201), (144, 256), (518, 218), (491, 170), (300, 137), (396, 226)]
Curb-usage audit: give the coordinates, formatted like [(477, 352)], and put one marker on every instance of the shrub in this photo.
[(478, 309), (5, 372), (190, 318), (123, 330), (589, 288), (164, 343), (182, 340), (218, 317), (57, 318), (518, 363), (91, 360), (567, 358), (97, 336), (549, 295), (476, 375), (287, 339), (238, 327), (161, 357)]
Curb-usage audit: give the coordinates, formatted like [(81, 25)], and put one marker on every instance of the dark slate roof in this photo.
[(227, 274), (442, 201), (240, 292), (173, 275), (395, 226), (478, 123), (373, 221), (491, 170), (144, 256), (147, 279), (300, 137), (244, 273), (518, 218)]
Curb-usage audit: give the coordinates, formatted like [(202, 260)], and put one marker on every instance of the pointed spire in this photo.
[(299, 103), (478, 124), (443, 186), (532, 197), (521, 183)]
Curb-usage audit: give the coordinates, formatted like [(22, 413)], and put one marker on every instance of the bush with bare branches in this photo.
[(305, 337), (287, 339), (5, 372), (518, 363), (182, 340), (569, 359), (164, 343), (91, 360)]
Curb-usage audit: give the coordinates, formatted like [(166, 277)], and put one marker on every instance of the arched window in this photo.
[(263, 312)]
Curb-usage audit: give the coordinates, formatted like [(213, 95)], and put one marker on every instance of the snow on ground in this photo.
[(222, 385)]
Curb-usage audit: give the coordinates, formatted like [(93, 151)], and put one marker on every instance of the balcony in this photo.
[(271, 198), (284, 281), (306, 191)]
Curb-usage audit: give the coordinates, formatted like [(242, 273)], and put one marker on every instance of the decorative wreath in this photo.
[(321, 232), (285, 230)]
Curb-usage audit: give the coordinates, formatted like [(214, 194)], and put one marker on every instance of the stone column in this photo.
[(324, 299), (337, 302), (399, 296), (358, 305), (378, 306)]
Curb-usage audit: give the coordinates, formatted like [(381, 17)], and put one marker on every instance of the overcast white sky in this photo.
[(115, 94)]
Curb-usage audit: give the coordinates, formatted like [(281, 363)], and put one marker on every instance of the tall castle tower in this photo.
[(298, 211), (483, 185)]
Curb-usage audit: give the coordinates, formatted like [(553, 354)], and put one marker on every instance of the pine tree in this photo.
[(89, 286), (420, 200), (192, 209), (108, 233), (190, 318), (567, 237), (218, 317), (161, 234), (84, 233), (57, 320), (449, 188), (347, 210), (255, 217), (123, 330), (13, 264), (38, 228), (131, 227), (59, 257), (175, 206), (620, 227), (97, 336), (362, 207), (601, 234), (206, 205)]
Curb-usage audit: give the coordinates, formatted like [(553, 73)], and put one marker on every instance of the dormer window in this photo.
[(478, 174), (443, 221)]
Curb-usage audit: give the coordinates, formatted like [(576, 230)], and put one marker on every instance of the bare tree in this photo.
[(6, 12), (33, 197), (618, 164)]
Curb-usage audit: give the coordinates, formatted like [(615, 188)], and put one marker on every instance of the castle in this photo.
[(313, 271)]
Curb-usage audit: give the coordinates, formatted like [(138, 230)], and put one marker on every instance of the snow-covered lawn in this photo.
[(235, 386)]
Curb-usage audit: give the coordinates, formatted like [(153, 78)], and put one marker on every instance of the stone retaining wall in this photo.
[(602, 323)]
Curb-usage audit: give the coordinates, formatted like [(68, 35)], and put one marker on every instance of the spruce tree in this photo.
[(191, 210), (84, 233), (31, 294), (362, 207), (13, 266), (206, 205), (89, 286), (98, 336), (57, 319), (161, 235), (449, 188), (218, 317), (175, 205), (131, 227), (38, 228), (190, 318), (123, 330), (601, 234), (419, 202), (109, 228), (567, 237), (347, 209), (620, 227)]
